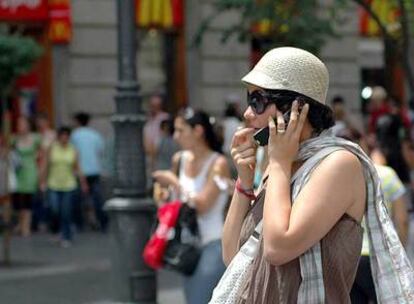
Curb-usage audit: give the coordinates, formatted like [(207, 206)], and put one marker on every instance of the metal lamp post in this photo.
[(130, 210)]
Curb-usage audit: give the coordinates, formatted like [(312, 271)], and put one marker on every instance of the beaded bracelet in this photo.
[(249, 193)]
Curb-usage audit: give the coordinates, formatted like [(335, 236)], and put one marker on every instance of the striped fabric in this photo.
[(391, 269), (393, 189)]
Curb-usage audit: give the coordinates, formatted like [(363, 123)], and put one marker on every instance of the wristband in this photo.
[(249, 193)]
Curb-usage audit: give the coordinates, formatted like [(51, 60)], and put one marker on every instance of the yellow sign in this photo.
[(159, 13)]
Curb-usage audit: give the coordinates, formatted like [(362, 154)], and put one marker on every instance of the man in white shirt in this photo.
[(152, 131)]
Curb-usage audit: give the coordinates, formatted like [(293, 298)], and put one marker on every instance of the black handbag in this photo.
[(183, 251)]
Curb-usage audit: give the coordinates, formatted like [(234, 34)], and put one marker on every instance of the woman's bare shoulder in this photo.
[(343, 160), (221, 161), (221, 165), (341, 168)]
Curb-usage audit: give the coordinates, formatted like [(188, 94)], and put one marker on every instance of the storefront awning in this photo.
[(24, 10)]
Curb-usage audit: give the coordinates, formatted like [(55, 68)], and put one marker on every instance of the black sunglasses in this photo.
[(260, 100)]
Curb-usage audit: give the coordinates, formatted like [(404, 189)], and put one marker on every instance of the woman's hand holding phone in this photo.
[(284, 139), (243, 152)]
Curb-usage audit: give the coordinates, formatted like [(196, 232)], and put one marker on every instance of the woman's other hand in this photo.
[(84, 186), (243, 152), (160, 194), (43, 186), (166, 178)]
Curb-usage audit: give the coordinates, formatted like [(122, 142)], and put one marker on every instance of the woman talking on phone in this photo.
[(302, 228)]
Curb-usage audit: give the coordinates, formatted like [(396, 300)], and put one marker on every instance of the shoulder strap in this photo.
[(207, 165), (180, 163)]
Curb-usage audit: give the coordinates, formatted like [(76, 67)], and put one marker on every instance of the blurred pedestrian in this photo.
[(46, 132), (339, 112), (59, 179), (167, 146), (90, 146), (231, 121), (299, 238), (152, 129), (378, 106), (195, 175), (390, 134), (26, 147), (47, 136), (7, 172)]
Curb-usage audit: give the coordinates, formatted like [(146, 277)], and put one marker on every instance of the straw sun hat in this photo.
[(288, 68)]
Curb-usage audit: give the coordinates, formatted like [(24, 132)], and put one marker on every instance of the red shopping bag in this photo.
[(154, 250)]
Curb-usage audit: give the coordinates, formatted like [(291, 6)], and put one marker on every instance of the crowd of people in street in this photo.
[(213, 165), (50, 175)]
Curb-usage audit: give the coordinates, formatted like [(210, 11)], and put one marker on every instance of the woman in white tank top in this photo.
[(196, 175)]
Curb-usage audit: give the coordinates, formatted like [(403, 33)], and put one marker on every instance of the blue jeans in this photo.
[(61, 204), (39, 212), (95, 191), (198, 287)]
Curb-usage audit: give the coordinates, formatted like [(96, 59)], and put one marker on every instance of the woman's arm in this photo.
[(232, 226), (41, 157), (243, 152), (205, 199), (336, 187), (400, 218), (169, 178), (44, 170)]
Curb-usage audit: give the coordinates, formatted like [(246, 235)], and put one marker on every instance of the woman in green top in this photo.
[(60, 178), (26, 146)]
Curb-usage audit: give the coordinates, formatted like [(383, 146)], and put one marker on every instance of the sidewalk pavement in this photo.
[(44, 273)]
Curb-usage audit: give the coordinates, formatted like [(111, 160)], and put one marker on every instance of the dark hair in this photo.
[(63, 131), (82, 118), (42, 115), (159, 94), (30, 123), (198, 117), (167, 124), (337, 99), (395, 101), (231, 111), (320, 116), (350, 134)]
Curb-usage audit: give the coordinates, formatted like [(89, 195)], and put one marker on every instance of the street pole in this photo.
[(130, 211)]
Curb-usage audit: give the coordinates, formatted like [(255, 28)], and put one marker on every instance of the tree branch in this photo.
[(406, 47), (375, 17)]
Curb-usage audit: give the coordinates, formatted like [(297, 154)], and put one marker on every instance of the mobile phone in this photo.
[(262, 136)]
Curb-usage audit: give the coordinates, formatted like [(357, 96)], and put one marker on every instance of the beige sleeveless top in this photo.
[(269, 284)]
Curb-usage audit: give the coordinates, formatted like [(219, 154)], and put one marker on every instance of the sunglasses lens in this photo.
[(257, 101)]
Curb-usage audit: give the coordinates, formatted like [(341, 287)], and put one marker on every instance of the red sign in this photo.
[(60, 27), (23, 10)]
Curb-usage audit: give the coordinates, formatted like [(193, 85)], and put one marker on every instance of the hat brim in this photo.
[(261, 80)]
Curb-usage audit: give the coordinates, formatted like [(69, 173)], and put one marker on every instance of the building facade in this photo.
[(81, 74)]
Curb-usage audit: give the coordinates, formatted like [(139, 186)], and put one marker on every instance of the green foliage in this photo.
[(303, 24), (17, 56)]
